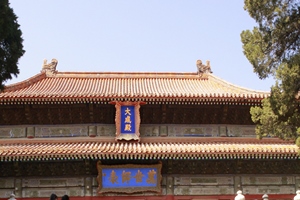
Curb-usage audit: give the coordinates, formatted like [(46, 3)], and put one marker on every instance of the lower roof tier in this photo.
[(154, 148)]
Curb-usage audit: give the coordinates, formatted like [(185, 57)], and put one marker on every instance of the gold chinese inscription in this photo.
[(113, 177), (127, 120), (126, 176), (151, 176), (127, 111), (129, 178), (138, 176)]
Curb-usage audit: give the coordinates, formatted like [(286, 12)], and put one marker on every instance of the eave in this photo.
[(149, 148), (102, 88)]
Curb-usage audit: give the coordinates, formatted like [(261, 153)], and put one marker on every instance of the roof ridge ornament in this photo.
[(50, 68), (203, 69)]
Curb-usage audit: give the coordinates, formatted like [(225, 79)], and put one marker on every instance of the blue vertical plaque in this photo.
[(127, 120)]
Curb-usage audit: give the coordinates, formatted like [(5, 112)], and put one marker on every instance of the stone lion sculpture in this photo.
[(50, 66), (203, 68)]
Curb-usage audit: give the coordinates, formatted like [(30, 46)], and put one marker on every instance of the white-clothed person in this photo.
[(12, 197)]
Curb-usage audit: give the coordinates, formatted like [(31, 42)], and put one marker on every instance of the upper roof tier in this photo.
[(53, 86)]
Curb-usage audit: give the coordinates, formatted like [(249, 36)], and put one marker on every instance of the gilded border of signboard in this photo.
[(129, 178), (123, 118)]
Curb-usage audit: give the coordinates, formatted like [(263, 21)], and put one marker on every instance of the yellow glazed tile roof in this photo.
[(95, 87), (94, 148)]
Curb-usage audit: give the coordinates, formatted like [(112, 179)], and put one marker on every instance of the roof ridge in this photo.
[(170, 75)]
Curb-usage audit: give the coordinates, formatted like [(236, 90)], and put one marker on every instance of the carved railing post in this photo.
[(297, 197), (239, 196), (265, 197)]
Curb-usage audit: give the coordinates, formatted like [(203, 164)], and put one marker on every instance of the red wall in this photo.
[(171, 197)]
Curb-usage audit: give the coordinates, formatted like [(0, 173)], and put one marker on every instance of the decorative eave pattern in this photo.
[(63, 87), (38, 150)]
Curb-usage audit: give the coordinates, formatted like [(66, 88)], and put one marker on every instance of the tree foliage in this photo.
[(11, 47), (273, 49)]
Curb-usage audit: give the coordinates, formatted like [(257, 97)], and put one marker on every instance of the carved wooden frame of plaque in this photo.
[(128, 190), (122, 136)]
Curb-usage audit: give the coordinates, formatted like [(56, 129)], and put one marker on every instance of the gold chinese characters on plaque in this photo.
[(129, 178), (127, 120)]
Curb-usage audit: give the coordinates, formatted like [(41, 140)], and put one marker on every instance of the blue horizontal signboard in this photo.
[(129, 178)]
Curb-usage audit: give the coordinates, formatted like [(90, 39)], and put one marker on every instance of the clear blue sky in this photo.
[(136, 36)]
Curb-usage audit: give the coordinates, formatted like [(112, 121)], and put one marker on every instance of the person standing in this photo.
[(12, 197), (53, 197), (65, 197)]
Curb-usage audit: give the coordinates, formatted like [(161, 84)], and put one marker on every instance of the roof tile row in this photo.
[(144, 150)]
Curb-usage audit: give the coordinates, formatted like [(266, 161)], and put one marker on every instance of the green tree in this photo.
[(273, 50), (11, 47)]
